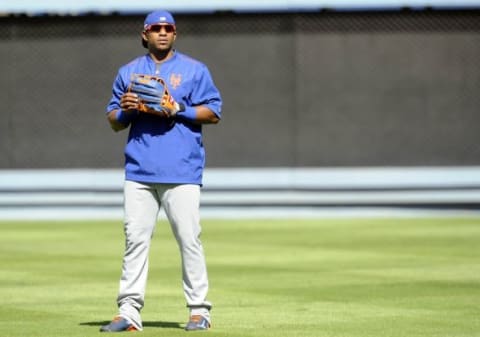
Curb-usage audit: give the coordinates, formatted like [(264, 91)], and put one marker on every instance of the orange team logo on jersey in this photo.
[(175, 80)]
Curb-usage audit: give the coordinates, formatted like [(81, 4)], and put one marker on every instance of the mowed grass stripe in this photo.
[(343, 277)]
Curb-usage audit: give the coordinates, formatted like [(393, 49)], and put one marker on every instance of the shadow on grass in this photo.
[(159, 324)]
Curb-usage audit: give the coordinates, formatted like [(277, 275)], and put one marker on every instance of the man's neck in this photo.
[(160, 55)]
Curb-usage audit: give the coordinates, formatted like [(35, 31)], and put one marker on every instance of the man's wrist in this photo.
[(188, 112), (177, 107), (124, 117)]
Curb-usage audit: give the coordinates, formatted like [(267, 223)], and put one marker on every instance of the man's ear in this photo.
[(144, 40)]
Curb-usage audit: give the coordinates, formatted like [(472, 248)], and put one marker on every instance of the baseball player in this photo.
[(164, 161)]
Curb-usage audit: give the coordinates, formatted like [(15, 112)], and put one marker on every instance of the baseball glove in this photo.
[(153, 95)]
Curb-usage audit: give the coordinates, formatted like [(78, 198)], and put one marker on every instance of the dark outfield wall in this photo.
[(318, 89)]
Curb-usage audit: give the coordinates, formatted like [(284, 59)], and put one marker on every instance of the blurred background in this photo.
[(360, 103)]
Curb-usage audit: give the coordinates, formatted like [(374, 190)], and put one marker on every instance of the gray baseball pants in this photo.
[(181, 204)]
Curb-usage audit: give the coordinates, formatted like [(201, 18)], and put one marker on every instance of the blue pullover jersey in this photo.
[(159, 150)]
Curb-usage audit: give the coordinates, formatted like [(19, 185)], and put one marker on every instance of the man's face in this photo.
[(160, 36)]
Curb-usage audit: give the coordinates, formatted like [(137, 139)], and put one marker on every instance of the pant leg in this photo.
[(182, 207), (141, 210)]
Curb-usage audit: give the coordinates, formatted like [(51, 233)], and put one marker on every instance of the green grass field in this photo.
[(278, 278)]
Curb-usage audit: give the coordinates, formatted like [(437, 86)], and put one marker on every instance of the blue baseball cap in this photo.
[(158, 17)]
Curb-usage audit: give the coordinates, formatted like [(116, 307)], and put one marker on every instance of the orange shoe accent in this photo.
[(197, 319), (130, 328)]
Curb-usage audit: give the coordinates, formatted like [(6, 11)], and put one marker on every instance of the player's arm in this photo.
[(114, 123), (204, 100), (199, 114), (205, 115), (120, 119)]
